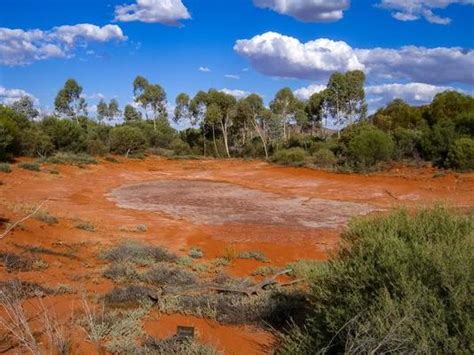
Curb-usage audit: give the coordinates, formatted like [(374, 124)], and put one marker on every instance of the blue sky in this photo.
[(276, 52)]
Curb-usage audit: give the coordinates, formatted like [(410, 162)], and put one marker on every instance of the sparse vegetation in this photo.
[(253, 254), (67, 158), (5, 168), (44, 216), (86, 226), (138, 253), (32, 166), (196, 253)]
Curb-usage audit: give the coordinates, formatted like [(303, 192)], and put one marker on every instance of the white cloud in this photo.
[(238, 94), (305, 93), (18, 47), (412, 93), (204, 69), (167, 12), (307, 10), (420, 64), (232, 76), (283, 56), (8, 96), (411, 10)]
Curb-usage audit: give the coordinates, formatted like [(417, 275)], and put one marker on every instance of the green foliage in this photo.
[(36, 143), (127, 140), (400, 283), (5, 168), (253, 254), (292, 156), (196, 253), (407, 143), (370, 147), (65, 135), (324, 158), (32, 166), (461, 154), (71, 159)]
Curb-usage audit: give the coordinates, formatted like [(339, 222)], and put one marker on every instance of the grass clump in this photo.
[(139, 228), (138, 253), (86, 226), (44, 216), (175, 345), (30, 166), (130, 295), (5, 168), (167, 275), (123, 272), (66, 158), (253, 254), (400, 283), (196, 253), (15, 262)]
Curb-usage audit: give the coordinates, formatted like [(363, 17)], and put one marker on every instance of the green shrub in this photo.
[(461, 154), (71, 159), (400, 283), (253, 254), (33, 166), (127, 140), (179, 147), (196, 253), (5, 168), (324, 158), (292, 156), (65, 134), (370, 147), (407, 142)]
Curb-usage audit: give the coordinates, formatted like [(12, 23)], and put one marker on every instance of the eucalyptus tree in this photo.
[(252, 110), (113, 109), (285, 106), (345, 97), (130, 114), (69, 102), (102, 110), (150, 96), (315, 110), (25, 106), (224, 116)]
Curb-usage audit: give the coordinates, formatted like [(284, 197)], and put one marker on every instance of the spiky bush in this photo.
[(400, 283)]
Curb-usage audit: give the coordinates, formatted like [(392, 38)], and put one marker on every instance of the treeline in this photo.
[(288, 131)]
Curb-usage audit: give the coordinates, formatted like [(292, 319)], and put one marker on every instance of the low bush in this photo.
[(123, 272), (138, 253), (127, 140), (5, 168), (71, 159), (253, 254), (292, 156), (400, 283), (86, 226), (324, 158), (461, 154), (30, 166), (196, 253), (175, 345), (168, 275), (45, 217), (370, 147)]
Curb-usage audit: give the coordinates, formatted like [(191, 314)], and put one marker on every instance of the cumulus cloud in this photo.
[(18, 47), (419, 64), (238, 94), (412, 93), (411, 10), (167, 12), (305, 93), (204, 69), (283, 56), (307, 10), (232, 76), (8, 96)]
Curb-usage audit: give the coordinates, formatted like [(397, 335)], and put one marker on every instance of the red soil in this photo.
[(77, 194)]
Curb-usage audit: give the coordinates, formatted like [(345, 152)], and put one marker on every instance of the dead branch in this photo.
[(249, 291), (392, 195), (9, 229)]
